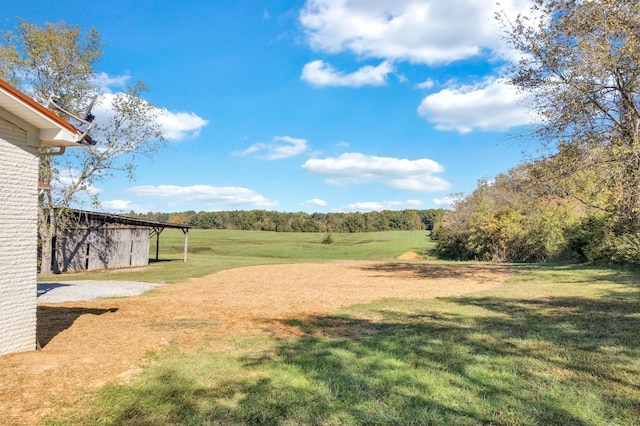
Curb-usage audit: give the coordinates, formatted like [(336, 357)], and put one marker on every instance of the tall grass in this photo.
[(553, 345), (211, 250)]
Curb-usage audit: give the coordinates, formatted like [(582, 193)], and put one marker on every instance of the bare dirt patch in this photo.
[(410, 255), (91, 343)]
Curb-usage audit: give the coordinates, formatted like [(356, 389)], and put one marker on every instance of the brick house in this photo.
[(25, 126)]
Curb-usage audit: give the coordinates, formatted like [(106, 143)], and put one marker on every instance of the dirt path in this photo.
[(88, 344)]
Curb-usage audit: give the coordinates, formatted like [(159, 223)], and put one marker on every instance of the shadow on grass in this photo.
[(464, 360), (52, 320), (436, 271), (164, 260), (583, 273)]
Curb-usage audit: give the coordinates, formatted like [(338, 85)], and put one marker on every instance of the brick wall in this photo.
[(18, 237)]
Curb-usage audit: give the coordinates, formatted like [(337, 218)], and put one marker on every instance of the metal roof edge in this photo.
[(131, 220)]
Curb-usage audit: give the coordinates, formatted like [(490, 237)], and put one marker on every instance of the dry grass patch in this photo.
[(89, 344)]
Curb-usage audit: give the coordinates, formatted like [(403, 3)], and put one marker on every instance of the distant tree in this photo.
[(180, 218), (58, 59), (262, 220), (430, 217), (354, 222)]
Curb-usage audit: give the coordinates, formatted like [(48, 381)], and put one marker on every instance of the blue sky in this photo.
[(316, 105)]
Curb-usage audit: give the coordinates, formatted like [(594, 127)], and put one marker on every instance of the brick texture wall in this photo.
[(18, 237)]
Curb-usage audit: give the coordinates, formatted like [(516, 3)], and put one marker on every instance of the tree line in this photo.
[(580, 198), (263, 220), (521, 217)]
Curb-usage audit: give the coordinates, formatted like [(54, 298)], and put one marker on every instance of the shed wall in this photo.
[(87, 249), (18, 236)]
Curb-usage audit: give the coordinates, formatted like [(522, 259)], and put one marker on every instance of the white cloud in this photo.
[(180, 125), (427, 84), (107, 82), (444, 202), (402, 174), (377, 206), (176, 125), (315, 202), (319, 73), (420, 31), (492, 105), (120, 206), (214, 197), (282, 147)]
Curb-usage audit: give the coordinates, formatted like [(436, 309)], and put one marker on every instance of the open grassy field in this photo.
[(211, 250), (553, 344)]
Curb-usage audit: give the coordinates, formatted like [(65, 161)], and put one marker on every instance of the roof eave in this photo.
[(54, 130), (60, 137)]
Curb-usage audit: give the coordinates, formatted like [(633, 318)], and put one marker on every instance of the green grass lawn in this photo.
[(211, 250), (555, 344)]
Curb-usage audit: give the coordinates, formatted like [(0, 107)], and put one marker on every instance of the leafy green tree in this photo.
[(579, 62), (502, 220), (59, 59)]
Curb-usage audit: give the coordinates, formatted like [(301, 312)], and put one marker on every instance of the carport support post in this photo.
[(186, 242), (158, 230)]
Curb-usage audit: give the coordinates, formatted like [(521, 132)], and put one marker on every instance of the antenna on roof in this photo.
[(87, 117)]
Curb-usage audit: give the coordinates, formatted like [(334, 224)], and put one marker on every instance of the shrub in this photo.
[(597, 239), (327, 239)]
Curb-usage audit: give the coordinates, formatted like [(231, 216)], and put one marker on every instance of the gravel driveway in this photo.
[(71, 291)]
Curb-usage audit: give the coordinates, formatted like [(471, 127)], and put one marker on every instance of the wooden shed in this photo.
[(107, 241)]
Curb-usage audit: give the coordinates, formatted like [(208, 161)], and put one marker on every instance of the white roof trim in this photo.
[(58, 137), (54, 130)]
